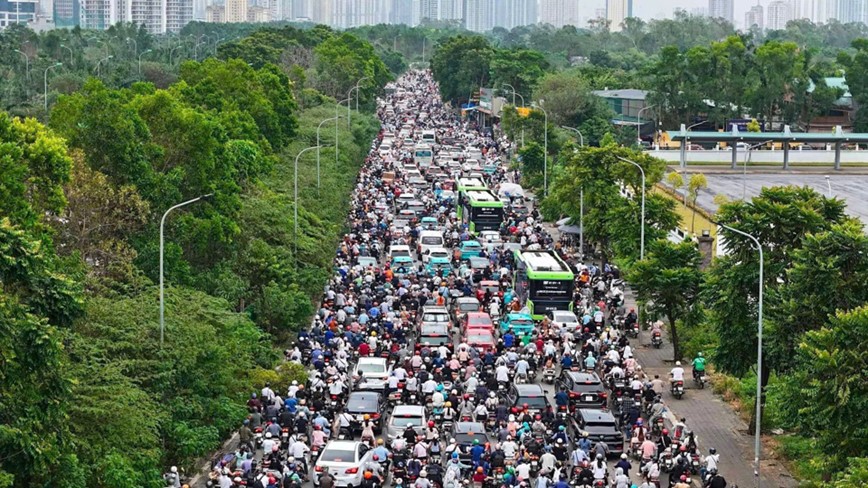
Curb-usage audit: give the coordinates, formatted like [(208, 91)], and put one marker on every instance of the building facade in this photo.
[(779, 13), (17, 12), (616, 12), (753, 18), (721, 9), (479, 15), (559, 13), (852, 11)]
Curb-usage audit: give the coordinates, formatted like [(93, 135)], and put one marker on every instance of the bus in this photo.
[(423, 155), (480, 210), (542, 282), (465, 184)]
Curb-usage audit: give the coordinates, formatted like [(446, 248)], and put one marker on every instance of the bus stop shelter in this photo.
[(756, 139)]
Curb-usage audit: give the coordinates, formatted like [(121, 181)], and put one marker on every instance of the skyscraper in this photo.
[(852, 11), (178, 13), (451, 9), (559, 13), (236, 11), (402, 12), (617, 11), (721, 9), (754, 17), (513, 13), (479, 15), (779, 13), (429, 9)]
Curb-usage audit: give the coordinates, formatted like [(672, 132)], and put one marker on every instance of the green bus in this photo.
[(480, 210), (464, 184), (543, 282)]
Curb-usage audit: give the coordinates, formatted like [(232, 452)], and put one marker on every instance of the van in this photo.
[(429, 136), (429, 239), (423, 155)]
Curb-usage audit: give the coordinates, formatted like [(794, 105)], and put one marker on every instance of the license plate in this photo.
[(360, 418), (589, 398)]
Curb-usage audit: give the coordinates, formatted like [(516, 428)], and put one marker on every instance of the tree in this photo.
[(697, 182), (669, 277), (676, 181), (521, 68), (461, 66)]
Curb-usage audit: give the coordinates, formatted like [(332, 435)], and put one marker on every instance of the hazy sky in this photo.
[(648, 9)]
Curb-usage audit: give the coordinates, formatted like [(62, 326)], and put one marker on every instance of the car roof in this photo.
[(370, 360), (465, 427), (414, 410), (580, 377), (366, 394), (343, 445), (467, 300), (477, 315), (591, 415), (563, 313), (517, 316), (529, 389)]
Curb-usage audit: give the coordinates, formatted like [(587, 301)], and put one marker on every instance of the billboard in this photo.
[(486, 96)]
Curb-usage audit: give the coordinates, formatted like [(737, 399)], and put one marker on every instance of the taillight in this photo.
[(573, 394), (375, 416), (351, 471), (603, 395), (318, 469)]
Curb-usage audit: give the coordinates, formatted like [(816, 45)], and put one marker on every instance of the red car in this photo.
[(481, 339), (477, 320)]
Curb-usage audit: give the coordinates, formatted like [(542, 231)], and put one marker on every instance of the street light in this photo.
[(581, 139), (639, 123), (335, 118), (146, 51), (71, 59), (135, 46), (546, 148), (350, 97), (642, 231), (358, 89), (759, 351), (45, 79), (171, 51), (26, 63), (295, 205), (829, 185), (514, 94), (744, 169), (337, 149), (100, 62), (162, 240)]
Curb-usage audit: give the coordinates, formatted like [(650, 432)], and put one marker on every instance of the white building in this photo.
[(479, 15), (852, 11), (451, 10), (754, 17), (559, 13), (616, 12), (513, 13), (721, 9), (779, 13)]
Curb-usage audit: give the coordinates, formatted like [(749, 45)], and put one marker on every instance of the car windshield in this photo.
[(372, 368), (467, 438), (432, 240), (521, 322), (404, 420), (401, 253), (533, 401), (567, 319), (468, 307), (435, 340), (480, 320), (433, 330), (480, 339), (338, 456), (361, 404), (435, 317), (600, 423)]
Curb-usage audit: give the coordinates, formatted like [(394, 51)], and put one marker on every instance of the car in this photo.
[(432, 314), (403, 416), (477, 320), (436, 253), (402, 265), (434, 335), (520, 323), (470, 249), (400, 250), (491, 286), (477, 268), (463, 305), (367, 261), (439, 267), (430, 239), (363, 403), (481, 339), (491, 239), (376, 372), (600, 425), (465, 433), (565, 319), (489, 168), (585, 390), (532, 395), (519, 208), (430, 223), (345, 461)]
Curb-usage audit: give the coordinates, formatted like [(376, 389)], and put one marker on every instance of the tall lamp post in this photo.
[(45, 80), (744, 169), (335, 118), (162, 240), (513, 104), (71, 59), (146, 51), (759, 351), (350, 97), (337, 150), (358, 89), (100, 62), (545, 148), (581, 139), (26, 69), (642, 235), (295, 205), (639, 123)]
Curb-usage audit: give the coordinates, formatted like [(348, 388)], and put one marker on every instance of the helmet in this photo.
[(379, 442), (560, 441), (699, 354), (712, 451), (367, 417), (623, 456), (677, 363), (665, 431), (374, 334), (639, 421), (475, 442), (683, 477), (173, 469), (376, 457), (410, 425), (524, 406), (562, 428), (274, 448), (479, 469), (585, 463), (683, 448), (512, 418), (431, 423), (368, 475), (584, 434), (423, 473), (599, 457), (268, 435), (448, 404), (491, 394)]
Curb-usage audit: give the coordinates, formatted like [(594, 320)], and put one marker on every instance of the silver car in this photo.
[(345, 461), (402, 416)]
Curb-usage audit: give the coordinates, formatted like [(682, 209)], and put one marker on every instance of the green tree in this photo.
[(521, 68), (669, 277), (461, 66), (697, 182)]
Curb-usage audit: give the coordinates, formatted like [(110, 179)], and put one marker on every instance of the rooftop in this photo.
[(758, 137), (626, 94)]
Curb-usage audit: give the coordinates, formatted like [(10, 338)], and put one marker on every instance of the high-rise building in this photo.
[(617, 11), (17, 12), (479, 15), (754, 17), (236, 11), (429, 10), (852, 11), (721, 9), (779, 13), (66, 13), (216, 14), (402, 12), (559, 13), (100, 14), (451, 9), (513, 13), (178, 13)]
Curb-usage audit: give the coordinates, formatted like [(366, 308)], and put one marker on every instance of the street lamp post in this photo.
[(358, 89), (759, 351), (171, 51), (295, 205), (337, 149), (335, 118), (146, 51), (45, 80), (100, 62), (829, 185), (135, 46), (545, 148), (642, 231), (639, 123), (162, 240), (581, 139), (350, 97), (26, 63), (71, 59), (744, 169)]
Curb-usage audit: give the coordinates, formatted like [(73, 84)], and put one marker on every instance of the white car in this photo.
[(401, 417), (565, 320), (376, 372), (344, 460)]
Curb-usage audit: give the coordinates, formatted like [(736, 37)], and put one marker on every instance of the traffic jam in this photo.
[(456, 345)]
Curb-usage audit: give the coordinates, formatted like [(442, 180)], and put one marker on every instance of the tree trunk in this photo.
[(673, 334)]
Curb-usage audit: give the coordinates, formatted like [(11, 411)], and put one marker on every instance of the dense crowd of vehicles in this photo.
[(447, 312)]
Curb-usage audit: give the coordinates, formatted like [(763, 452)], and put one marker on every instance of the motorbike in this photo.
[(549, 376), (699, 379), (634, 332), (677, 389), (657, 340)]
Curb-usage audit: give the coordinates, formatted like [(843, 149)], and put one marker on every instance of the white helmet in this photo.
[(677, 363), (173, 469)]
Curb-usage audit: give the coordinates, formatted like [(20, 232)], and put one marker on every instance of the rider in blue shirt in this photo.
[(561, 398)]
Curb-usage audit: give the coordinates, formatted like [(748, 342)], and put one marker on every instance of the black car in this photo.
[(584, 389), (600, 426), (530, 394), (465, 433), (361, 403)]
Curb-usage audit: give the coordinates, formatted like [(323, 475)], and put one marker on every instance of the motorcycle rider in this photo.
[(698, 365), (710, 462), (676, 374), (716, 480)]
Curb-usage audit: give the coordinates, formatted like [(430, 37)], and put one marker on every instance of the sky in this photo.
[(657, 9)]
